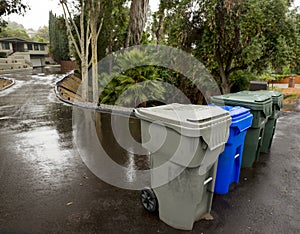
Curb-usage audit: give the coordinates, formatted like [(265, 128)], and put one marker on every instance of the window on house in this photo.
[(5, 46), (42, 47), (29, 46), (36, 47)]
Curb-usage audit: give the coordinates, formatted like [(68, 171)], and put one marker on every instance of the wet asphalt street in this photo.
[(45, 187)]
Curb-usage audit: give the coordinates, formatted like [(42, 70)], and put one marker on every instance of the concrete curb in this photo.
[(93, 106), (8, 86), (61, 79)]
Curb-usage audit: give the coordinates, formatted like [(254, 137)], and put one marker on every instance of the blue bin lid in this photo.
[(241, 117)]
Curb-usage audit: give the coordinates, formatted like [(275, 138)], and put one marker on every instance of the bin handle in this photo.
[(208, 180), (236, 156), (244, 129)]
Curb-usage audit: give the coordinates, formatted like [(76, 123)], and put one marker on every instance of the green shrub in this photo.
[(240, 80)]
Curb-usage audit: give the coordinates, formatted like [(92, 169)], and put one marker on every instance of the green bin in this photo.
[(277, 99), (260, 106)]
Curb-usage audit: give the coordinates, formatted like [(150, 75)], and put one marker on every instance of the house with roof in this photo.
[(17, 53)]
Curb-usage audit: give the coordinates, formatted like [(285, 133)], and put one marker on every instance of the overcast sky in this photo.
[(39, 14)]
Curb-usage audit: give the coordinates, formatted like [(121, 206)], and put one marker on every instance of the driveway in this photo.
[(46, 188)]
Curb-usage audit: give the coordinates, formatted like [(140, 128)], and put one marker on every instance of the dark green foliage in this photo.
[(114, 29), (145, 85), (237, 41), (182, 83), (59, 42), (12, 6), (133, 87), (8, 7), (229, 36), (240, 80)]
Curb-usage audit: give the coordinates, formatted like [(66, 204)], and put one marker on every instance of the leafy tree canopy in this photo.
[(8, 7), (57, 35), (42, 34), (233, 35), (14, 29)]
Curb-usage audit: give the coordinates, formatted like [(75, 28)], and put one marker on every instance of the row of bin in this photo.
[(257, 135), (199, 150)]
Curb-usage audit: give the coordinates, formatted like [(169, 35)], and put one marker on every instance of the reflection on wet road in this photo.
[(44, 183), (46, 188), (36, 153)]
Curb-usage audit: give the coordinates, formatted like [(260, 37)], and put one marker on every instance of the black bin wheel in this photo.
[(149, 200)]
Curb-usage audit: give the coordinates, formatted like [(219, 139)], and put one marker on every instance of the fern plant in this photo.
[(133, 87)]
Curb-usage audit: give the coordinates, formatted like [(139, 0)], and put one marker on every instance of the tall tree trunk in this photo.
[(84, 65), (225, 86), (220, 20), (87, 38), (94, 12), (159, 28), (110, 50), (138, 18), (80, 45), (161, 16), (84, 82), (95, 71)]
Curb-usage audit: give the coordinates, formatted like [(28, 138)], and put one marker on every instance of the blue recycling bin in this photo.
[(230, 161)]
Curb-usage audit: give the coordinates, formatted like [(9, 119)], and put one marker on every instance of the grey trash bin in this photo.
[(184, 142)]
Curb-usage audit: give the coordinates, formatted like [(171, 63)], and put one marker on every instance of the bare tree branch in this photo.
[(100, 27), (64, 4), (70, 31)]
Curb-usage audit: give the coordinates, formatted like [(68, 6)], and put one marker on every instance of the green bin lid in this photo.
[(254, 101), (277, 97)]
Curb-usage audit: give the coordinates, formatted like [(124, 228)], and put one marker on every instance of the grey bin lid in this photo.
[(210, 122)]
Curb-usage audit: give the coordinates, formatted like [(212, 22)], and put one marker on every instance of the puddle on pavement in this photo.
[(122, 146), (110, 146), (43, 128)]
